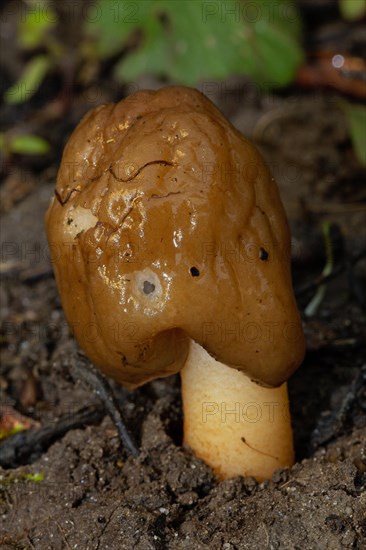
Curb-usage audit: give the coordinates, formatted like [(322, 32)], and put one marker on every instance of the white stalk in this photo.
[(233, 424)]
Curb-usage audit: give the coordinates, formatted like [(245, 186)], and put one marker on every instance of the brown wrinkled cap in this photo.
[(166, 226)]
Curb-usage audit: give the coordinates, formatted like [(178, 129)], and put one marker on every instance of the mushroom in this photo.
[(171, 253)]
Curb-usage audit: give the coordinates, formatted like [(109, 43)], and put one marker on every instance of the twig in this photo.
[(84, 370), (27, 446)]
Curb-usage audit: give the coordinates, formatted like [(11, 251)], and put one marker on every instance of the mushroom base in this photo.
[(234, 425)]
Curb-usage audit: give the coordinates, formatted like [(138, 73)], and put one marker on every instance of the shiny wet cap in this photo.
[(166, 225)]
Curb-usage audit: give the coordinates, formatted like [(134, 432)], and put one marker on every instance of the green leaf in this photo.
[(356, 117), (25, 144), (192, 40), (110, 24), (4, 434), (29, 145), (139, 63), (35, 22), (37, 477), (352, 10), (29, 81)]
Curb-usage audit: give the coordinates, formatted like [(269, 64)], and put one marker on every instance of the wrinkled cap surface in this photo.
[(167, 225)]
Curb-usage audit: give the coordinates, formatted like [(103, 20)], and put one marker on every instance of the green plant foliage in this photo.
[(29, 81), (9, 479), (24, 145), (356, 117), (352, 10), (9, 432), (35, 23), (114, 23), (36, 478), (34, 31), (191, 40)]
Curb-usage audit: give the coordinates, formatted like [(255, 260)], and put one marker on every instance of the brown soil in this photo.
[(93, 496), (90, 494)]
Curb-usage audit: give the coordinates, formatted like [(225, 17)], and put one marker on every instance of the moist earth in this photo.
[(85, 492)]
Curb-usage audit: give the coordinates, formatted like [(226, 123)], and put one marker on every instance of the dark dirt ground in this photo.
[(93, 496)]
